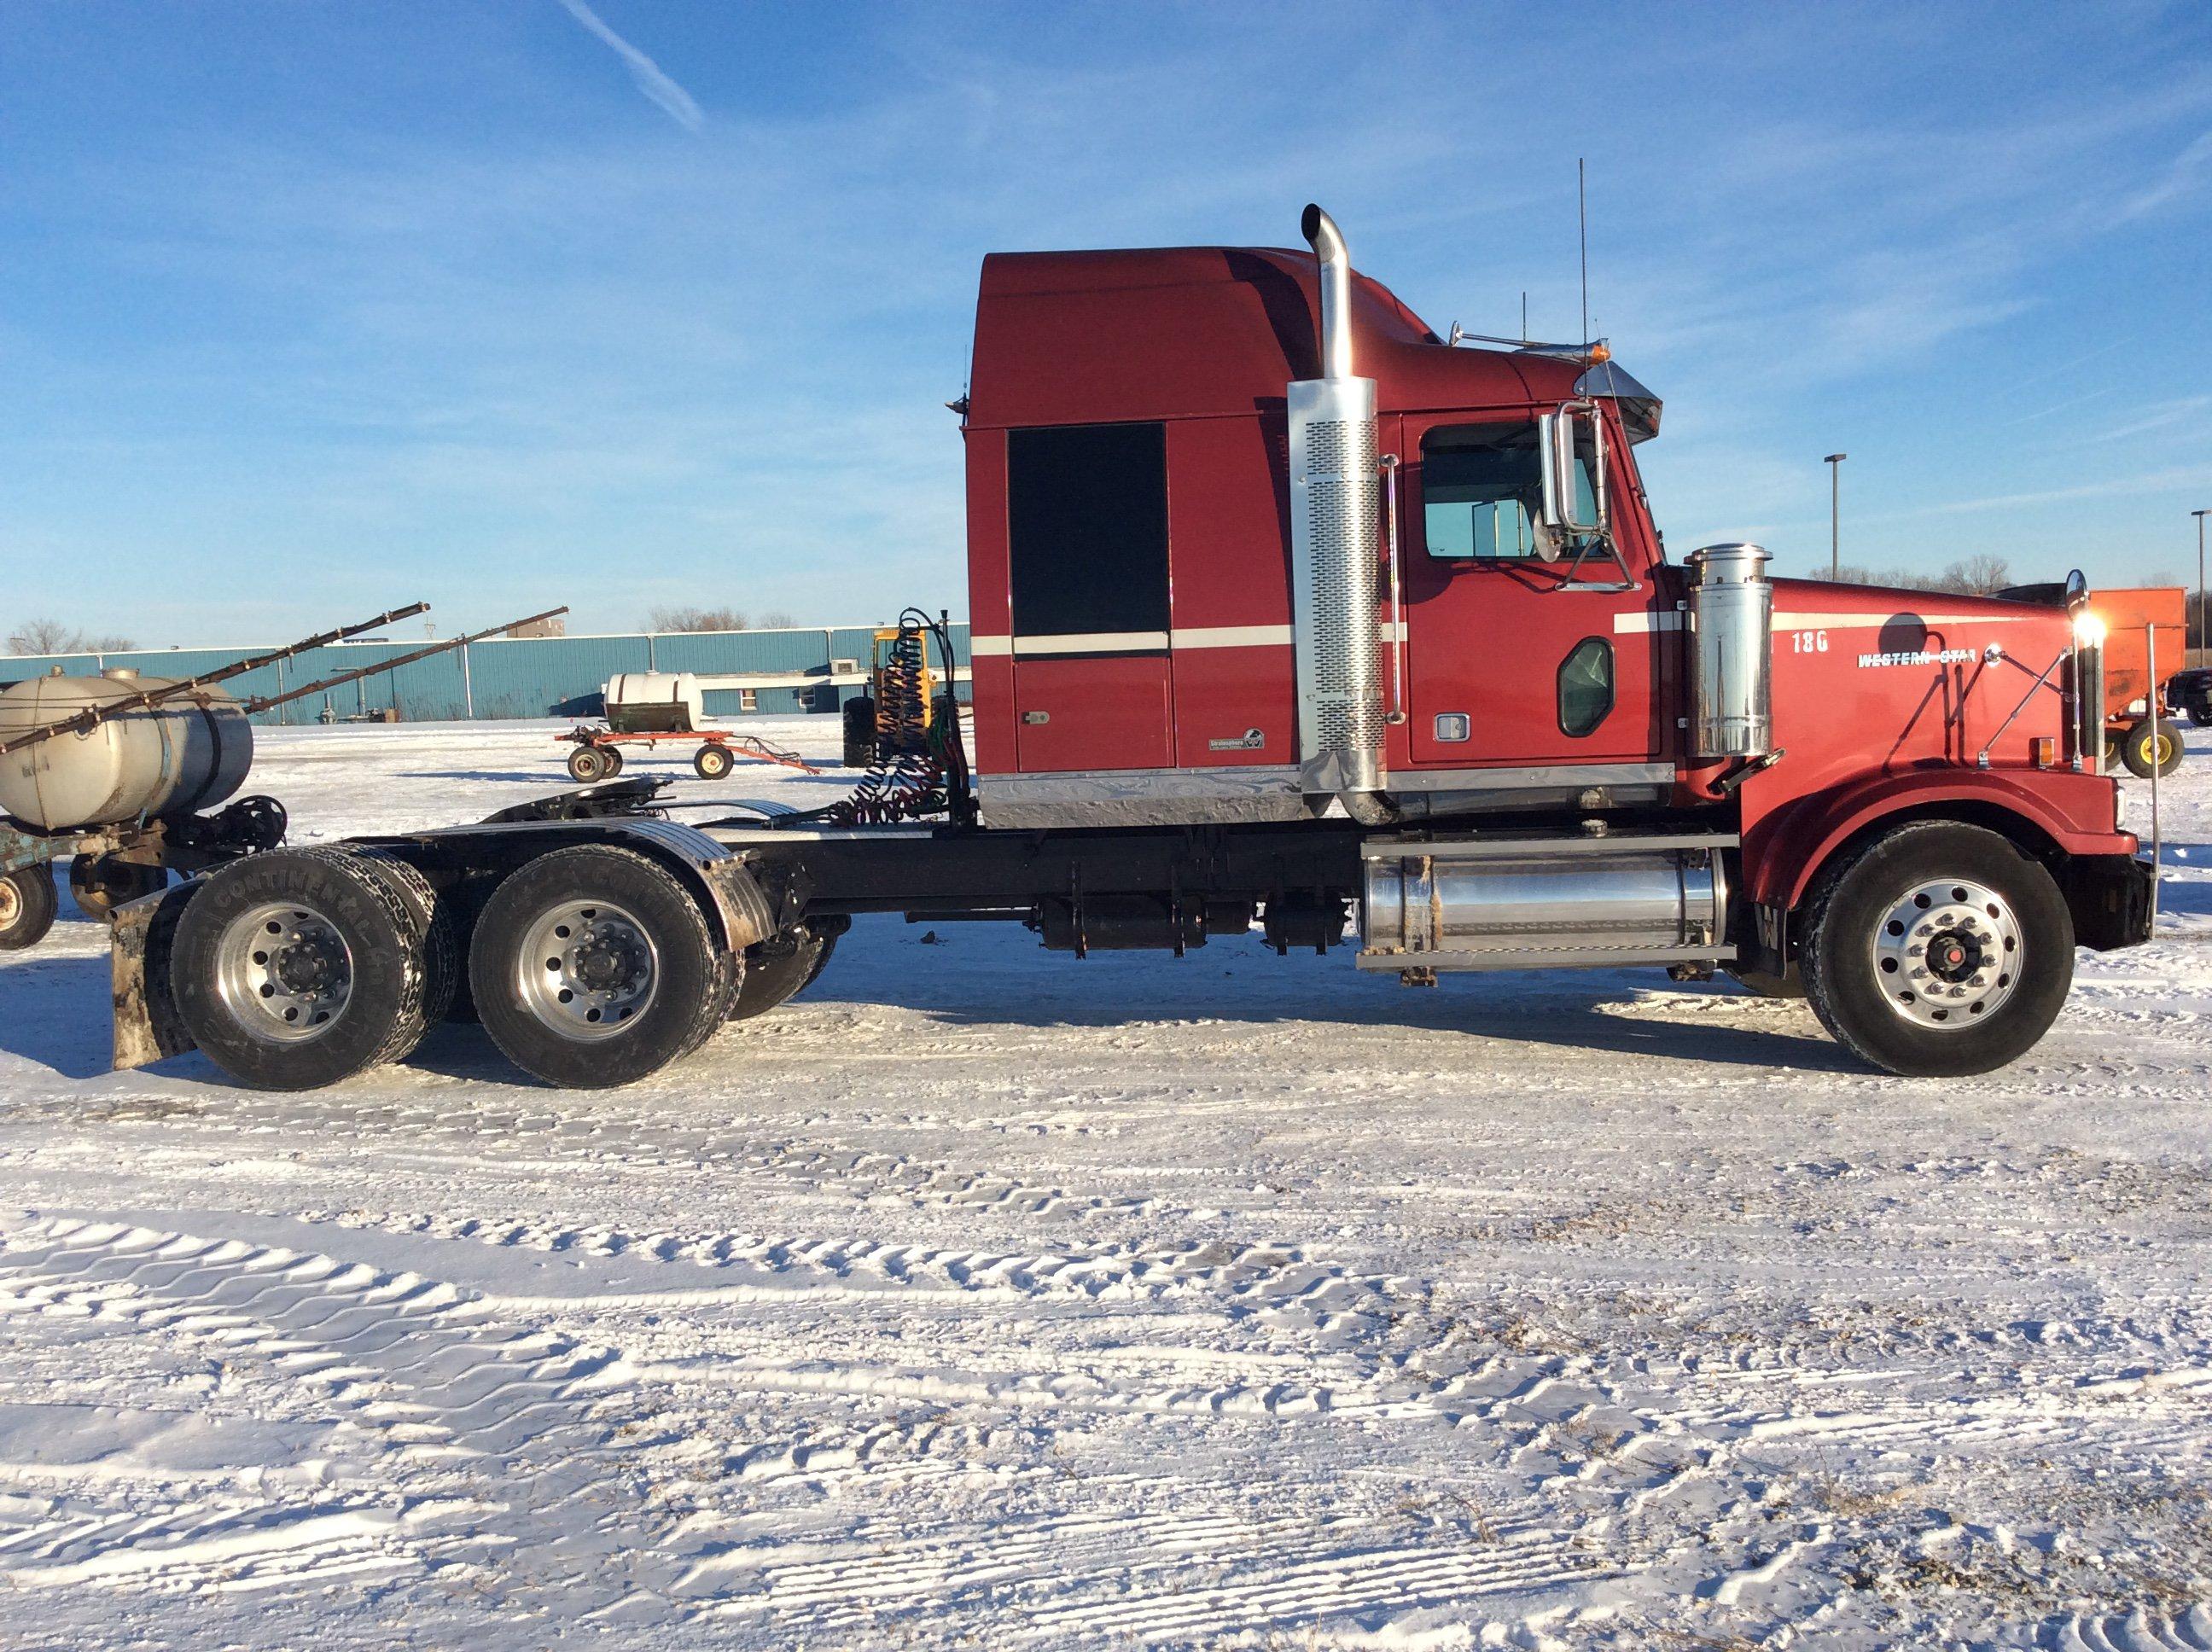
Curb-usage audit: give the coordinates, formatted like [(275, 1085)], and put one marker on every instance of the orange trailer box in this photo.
[(2128, 615)]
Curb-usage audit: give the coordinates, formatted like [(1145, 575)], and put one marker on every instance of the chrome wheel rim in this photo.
[(587, 970), (1948, 953), (285, 972)]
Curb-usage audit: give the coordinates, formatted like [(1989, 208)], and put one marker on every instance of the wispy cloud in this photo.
[(2159, 417), (648, 77), (2192, 167), (2173, 478)]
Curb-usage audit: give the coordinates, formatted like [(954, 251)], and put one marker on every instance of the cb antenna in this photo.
[(1581, 216)]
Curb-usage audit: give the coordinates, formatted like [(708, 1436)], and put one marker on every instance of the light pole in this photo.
[(1834, 462), (2201, 640)]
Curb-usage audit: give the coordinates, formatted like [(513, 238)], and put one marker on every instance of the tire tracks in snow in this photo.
[(515, 1445)]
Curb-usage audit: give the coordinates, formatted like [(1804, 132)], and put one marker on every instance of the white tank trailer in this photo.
[(186, 755), (655, 702)]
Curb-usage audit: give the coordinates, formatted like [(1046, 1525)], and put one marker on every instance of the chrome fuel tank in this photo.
[(1525, 903)]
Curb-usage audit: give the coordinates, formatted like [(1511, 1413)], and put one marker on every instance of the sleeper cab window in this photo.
[(1482, 490), (1087, 532), (1585, 686)]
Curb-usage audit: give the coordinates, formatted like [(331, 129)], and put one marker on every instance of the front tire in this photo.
[(28, 906), (587, 765), (299, 967), (2152, 745), (593, 967), (713, 763), (1937, 950)]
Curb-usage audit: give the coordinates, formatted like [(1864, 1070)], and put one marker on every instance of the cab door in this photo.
[(1510, 659)]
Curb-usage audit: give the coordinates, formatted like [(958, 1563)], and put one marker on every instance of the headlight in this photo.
[(2088, 630)]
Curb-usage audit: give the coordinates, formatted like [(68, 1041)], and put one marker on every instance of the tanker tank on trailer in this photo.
[(179, 757), (118, 775), (655, 702)]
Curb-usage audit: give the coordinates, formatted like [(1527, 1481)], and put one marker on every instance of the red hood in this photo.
[(1913, 620)]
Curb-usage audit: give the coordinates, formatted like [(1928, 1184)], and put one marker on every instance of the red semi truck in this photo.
[(1286, 611)]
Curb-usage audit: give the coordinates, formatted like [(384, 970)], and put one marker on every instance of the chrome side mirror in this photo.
[(2077, 591), (1558, 437)]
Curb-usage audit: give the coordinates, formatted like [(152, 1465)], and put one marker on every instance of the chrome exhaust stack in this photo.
[(1335, 544)]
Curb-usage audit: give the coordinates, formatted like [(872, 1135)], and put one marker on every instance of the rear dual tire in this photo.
[(300, 967), (593, 967), (778, 970)]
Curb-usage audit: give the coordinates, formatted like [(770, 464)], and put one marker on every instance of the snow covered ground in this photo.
[(984, 1297)]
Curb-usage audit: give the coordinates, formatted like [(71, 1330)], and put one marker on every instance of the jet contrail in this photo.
[(673, 99)]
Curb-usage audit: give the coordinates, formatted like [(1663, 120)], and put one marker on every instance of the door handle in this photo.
[(1036, 717)]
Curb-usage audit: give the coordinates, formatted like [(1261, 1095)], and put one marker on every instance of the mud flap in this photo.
[(147, 1026), (2110, 898)]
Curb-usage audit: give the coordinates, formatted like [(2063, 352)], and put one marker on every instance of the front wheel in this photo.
[(2200, 715), (2152, 746), (593, 967), (712, 762), (27, 905), (1937, 950), (587, 765)]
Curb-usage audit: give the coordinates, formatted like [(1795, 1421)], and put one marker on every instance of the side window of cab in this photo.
[(1482, 492)]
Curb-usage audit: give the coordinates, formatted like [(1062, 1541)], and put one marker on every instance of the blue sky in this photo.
[(308, 309)]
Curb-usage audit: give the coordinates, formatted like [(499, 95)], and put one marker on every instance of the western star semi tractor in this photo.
[(1286, 612)]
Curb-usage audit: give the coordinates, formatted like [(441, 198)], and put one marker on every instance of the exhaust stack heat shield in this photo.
[(1334, 543)]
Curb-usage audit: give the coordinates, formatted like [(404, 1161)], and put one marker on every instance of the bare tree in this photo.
[(47, 636), (38, 636), (1979, 574), (776, 620), (1896, 578), (697, 619), (1976, 576)]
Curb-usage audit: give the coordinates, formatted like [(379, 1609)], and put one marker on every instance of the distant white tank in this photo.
[(163, 760), (652, 703)]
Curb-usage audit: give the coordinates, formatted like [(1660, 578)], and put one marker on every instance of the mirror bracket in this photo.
[(1556, 449)]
